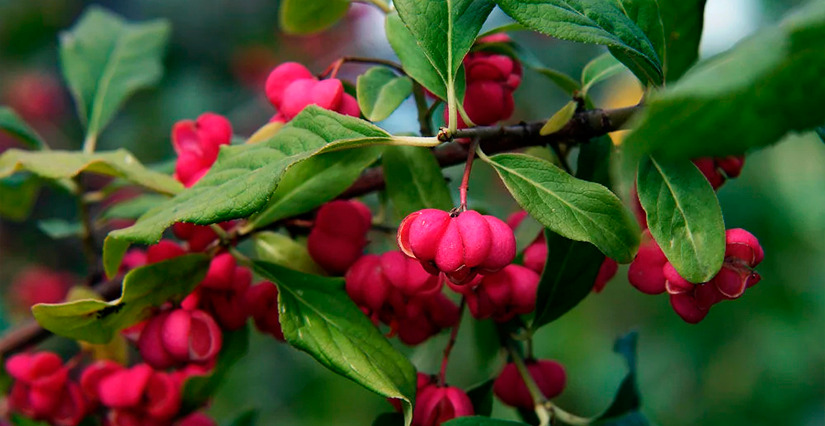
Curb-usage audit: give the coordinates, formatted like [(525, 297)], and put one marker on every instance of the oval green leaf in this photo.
[(55, 165), (279, 249), (106, 59), (569, 273), (683, 216), (319, 318), (748, 97), (315, 181), (415, 63), (244, 177), (307, 17), (595, 22), (380, 92), (599, 69), (14, 125), (144, 288), (573, 208)]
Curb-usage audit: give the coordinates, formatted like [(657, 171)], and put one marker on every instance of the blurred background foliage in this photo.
[(756, 361)]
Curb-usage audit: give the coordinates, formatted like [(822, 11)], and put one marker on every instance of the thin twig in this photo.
[(450, 344), (424, 118)]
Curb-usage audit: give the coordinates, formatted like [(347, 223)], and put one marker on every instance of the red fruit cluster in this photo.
[(396, 290), (717, 170), (290, 87), (37, 284), (535, 255), (510, 388), (460, 245), (197, 144), (436, 404), (198, 237), (37, 96), (222, 293), (339, 235), (501, 295), (138, 395), (491, 81), (262, 302), (43, 391), (651, 273), (179, 337)]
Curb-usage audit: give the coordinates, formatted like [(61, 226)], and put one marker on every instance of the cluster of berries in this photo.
[(717, 170), (197, 143), (491, 81), (651, 272), (37, 284), (44, 390), (290, 88), (438, 403), (178, 341)]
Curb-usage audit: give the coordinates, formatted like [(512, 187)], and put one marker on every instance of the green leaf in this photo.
[(573, 208), (20, 420), (445, 31), (682, 24), (244, 177), (389, 419), (569, 273), (414, 180), (593, 163), (645, 13), (558, 120), (132, 208), (527, 232), (481, 421), (415, 63), (750, 96), (591, 21), (482, 397), (18, 193), (319, 318), (306, 17), (198, 389), (820, 131), (96, 321), (564, 81), (56, 165), (315, 181), (632, 418), (599, 69), (58, 229), (17, 127), (279, 249), (624, 410), (106, 59), (380, 92), (247, 418), (683, 216)]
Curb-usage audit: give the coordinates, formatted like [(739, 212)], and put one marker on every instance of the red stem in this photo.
[(465, 180), (449, 348)]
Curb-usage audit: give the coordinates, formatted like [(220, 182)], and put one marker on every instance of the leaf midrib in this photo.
[(678, 206), (562, 200), (344, 333)]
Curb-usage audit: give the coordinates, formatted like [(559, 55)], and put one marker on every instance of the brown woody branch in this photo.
[(493, 139)]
